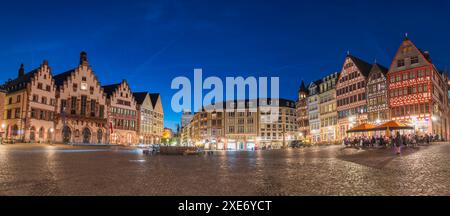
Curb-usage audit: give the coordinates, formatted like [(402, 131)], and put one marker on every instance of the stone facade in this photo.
[(72, 107), (302, 112), (122, 114), (243, 125), (2, 111), (327, 108), (30, 103), (149, 120), (156, 118), (81, 106), (313, 111)]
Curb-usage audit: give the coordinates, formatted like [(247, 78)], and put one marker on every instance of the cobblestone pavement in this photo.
[(65, 170)]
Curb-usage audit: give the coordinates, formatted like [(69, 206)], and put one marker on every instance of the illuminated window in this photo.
[(84, 86)]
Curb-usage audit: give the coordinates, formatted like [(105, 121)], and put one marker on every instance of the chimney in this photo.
[(83, 58), (21, 71), (45, 62)]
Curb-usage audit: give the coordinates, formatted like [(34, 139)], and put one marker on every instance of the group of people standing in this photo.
[(396, 141)]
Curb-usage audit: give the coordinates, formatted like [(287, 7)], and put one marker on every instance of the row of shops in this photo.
[(237, 145)]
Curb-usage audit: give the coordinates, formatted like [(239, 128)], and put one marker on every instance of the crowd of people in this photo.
[(396, 140)]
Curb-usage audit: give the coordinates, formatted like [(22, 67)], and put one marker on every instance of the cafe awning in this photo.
[(394, 125), (362, 128)]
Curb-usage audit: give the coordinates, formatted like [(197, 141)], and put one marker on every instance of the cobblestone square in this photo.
[(333, 170)]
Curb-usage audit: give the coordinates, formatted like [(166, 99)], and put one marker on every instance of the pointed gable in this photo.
[(362, 65), (303, 88), (377, 68), (140, 97), (156, 102), (23, 79), (409, 56)]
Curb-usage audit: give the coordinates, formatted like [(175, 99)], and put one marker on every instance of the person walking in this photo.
[(398, 143)]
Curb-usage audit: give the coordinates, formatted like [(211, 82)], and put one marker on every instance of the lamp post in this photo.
[(52, 131)]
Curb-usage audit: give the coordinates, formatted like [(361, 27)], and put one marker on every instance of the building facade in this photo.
[(2, 111), (81, 106), (156, 118), (313, 111), (280, 130), (30, 102), (417, 91), (351, 94), (243, 125), (327, 109), (377, 95), (122, 114), (302, 112)]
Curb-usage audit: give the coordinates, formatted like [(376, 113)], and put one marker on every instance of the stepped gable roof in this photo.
[(109, 89), (60, 78), (20, 82)]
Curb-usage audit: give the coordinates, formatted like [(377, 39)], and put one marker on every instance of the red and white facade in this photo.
[(417, 91)]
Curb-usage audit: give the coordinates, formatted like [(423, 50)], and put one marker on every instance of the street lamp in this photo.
[(52, 130)]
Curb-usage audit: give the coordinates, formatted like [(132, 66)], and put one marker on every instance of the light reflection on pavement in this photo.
[(65, 170)]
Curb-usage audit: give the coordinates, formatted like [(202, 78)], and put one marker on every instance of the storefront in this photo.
[(231, 145)]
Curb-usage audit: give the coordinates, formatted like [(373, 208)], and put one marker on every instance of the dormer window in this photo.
[(400, 63), (414, 60)]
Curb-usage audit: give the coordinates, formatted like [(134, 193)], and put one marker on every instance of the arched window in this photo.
[(86, 135), (32, 134)]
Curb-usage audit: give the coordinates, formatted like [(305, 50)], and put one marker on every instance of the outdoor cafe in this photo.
[(385, 129)]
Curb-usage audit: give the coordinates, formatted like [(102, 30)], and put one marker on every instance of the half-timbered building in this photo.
[(417, 90)]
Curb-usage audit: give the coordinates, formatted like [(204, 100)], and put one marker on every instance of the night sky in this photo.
[(151, 42)]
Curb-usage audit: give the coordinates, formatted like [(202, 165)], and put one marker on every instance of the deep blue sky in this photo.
[(151, 42)]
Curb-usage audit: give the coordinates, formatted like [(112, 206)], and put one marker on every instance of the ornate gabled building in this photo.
[(301, 107), (417, 91), (351, 94), (313, 111), (2, 111), (157, 118), (122, 114), (327, 108), (377, 95), (81, 106), (150, 117), (29, 109)]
